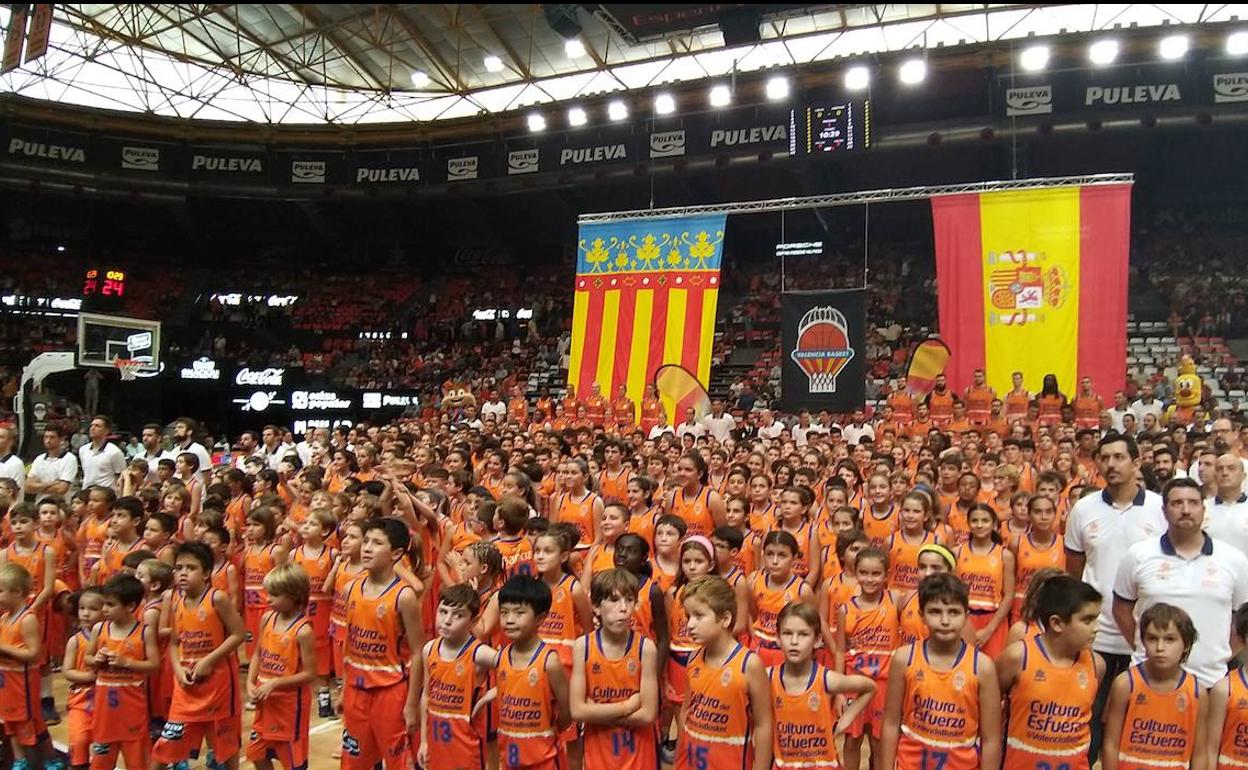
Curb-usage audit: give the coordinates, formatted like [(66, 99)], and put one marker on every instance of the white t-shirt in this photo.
[(1228, 521), (659, 430), (855, 433), (1209, 587), (1140, 409), (719, 427), (685, 429), (1103, 534), (101, 467), (49, 469), (195, 448), (770, 432), (12, 467), (496, 408), (1115, 417)]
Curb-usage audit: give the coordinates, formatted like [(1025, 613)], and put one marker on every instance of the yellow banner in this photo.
[(1030, 247)]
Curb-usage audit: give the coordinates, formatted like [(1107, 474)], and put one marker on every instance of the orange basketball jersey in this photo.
[(283, 715), (199, 630), (1050, 710), (940, 722), (456, 741), (580, 514), (1233, 745), (19, 681), (560, 627), (1159, 730), (717, 715), (375, 654), (695, 511), (983, 575), (611, 680), (121, 710), (527, 730), (517, 556), (903, 560), (804, 723), (870, 637), (768, 601)]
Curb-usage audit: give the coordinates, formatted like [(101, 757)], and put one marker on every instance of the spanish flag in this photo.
[(646, 295), (1035, 281)]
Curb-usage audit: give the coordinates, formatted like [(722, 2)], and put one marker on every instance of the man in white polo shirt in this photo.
[(184, 430), (11, 466), (1187, 568), (1099, 530), (101, 461), (54, 471), (719, 425), (1227, 512)]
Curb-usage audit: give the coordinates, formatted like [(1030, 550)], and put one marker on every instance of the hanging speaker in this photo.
[(740, 27)]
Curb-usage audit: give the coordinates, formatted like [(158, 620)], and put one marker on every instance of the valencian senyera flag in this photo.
[(1034, 281), (646, 293)]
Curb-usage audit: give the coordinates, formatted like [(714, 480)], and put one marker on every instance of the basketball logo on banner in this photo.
[(823, 347)]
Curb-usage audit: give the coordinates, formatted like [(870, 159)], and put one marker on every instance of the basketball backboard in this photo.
[(104, 338)]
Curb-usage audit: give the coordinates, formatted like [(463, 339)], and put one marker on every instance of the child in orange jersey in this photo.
[(1157, 713), (344, 572), (123, 539), (843, 519), (452, 736), (156, 578), (40, 561), (457, 535), (803, 692), (838, 590), (224, 576), (762, 511), (903, 545), (206, 633), (650, 617), (53, 533), (124, 654), (643, 513), (601, 556), (509, 519), (1228, 709), (93, 530), (281, 673), (381, 676), (260, 555), (987, 569), (736, 515), (879, 518), (80, 703), (933, 560), (614, 689), (1028, 625), (772, 588), (1050, 680), (697, 558), (317, 560), (665, 566), (1037, 548), (795, 519), (728, 541), (867, 631), (579, 506), (532, 687), (158, 535), (21, 650), (727, 714), (569, 614), (943, 706)]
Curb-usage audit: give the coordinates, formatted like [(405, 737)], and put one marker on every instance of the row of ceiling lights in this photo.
[(1033, 58)]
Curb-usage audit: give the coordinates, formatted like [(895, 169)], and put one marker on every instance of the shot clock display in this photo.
[(103, 288)]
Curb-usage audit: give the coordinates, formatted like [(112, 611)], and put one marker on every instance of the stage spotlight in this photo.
[(493, 64), (1034, 58), (1173, 47), (574, 49), (664, 104), (617, 110), (778, 88), (1237, 43), (857, 78), (720, 96), (1103, 52), (420, 78), (912, 72), (577, 117), (537, 122)]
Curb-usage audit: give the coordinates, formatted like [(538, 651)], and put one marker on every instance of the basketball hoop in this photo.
[(128, 368)]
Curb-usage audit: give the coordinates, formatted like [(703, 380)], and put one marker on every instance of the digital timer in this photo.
[(103, 288)]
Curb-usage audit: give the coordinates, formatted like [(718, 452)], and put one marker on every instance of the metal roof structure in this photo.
[(392, 63)]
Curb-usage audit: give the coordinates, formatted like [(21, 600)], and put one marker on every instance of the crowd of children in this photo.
[(549, 611)]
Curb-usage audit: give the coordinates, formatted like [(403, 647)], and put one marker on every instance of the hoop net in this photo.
[(128, 368)]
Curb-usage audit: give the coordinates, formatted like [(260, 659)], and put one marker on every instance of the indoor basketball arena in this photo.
[(621, 387)]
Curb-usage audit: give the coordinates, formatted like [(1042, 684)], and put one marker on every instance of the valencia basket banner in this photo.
[(646, 294), (823, 351), (1035, 281)]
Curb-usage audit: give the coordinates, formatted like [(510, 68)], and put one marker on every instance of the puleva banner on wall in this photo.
[(824, 350)]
